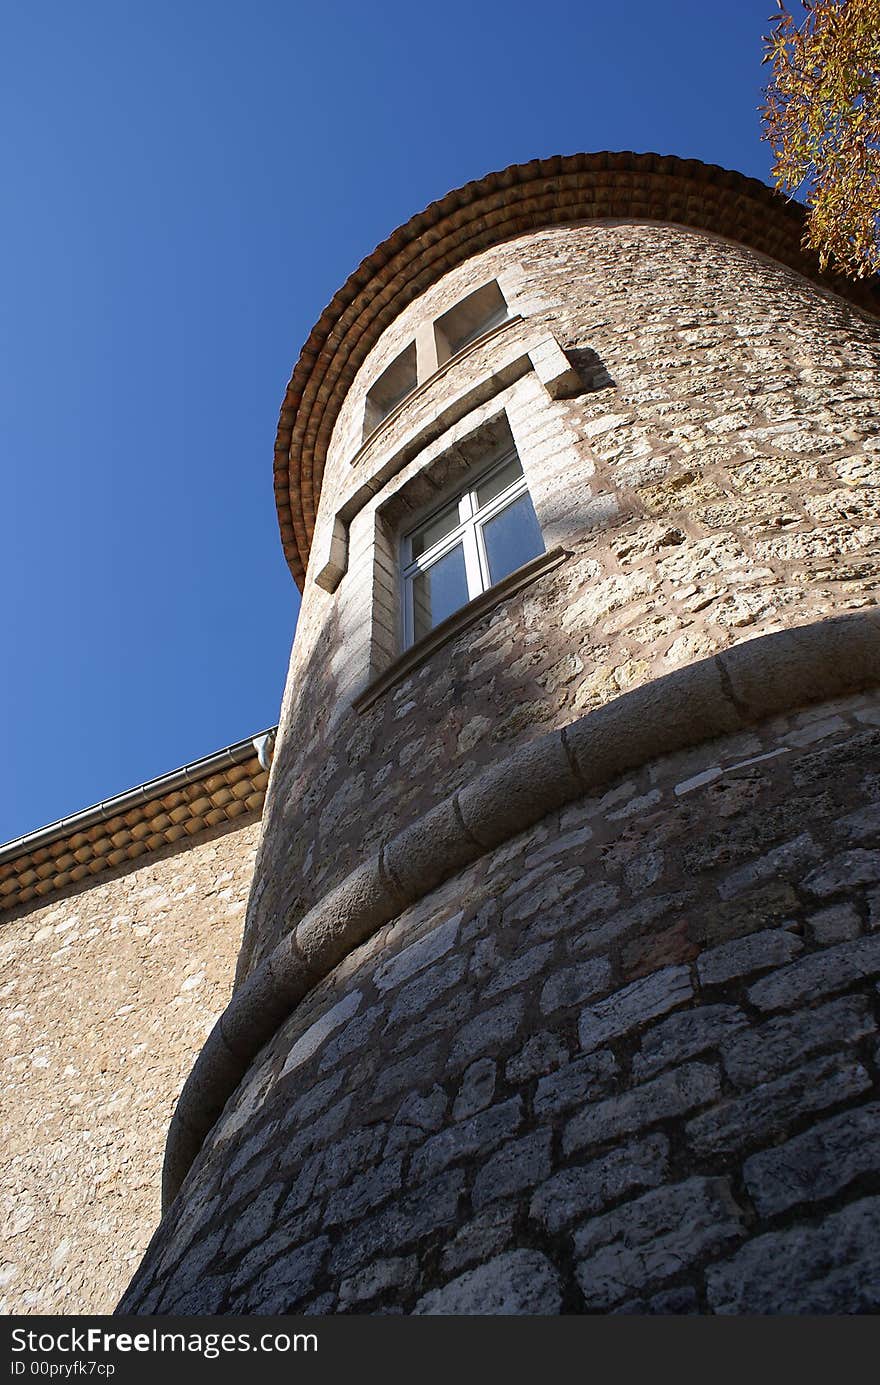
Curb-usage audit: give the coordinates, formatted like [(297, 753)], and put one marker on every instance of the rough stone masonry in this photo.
[(558, 987)]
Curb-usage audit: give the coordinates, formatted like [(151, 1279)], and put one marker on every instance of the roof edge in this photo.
[(220, 790), (234, 754)]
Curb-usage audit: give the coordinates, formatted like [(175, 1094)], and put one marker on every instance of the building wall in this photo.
[(715, 479), (625, 1062), (105, 1000), (558, 1081)]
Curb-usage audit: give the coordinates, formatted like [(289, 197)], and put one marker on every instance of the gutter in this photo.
[(259, 745)]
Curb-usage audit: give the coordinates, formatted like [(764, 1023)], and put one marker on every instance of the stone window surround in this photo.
[(428, 365), (387, 660), (544, 357), (393, 386), (477, 313), (455, 624), (427, 381)]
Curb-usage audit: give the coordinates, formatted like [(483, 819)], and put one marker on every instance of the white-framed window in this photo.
[(473, 540)]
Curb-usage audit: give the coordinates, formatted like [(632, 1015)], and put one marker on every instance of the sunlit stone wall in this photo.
[(624, 1059)]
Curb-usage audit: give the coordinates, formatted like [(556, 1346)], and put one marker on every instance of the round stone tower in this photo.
[(558, 986)]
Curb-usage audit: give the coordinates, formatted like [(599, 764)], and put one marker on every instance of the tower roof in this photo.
[(522, 198)]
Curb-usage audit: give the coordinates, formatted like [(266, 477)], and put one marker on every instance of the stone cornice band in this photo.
[(714, 697), (522, 198)]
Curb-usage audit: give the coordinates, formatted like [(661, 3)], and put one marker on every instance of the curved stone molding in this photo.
[(715, 696)]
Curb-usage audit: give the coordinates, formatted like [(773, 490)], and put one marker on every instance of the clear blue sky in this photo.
[(185, 185)]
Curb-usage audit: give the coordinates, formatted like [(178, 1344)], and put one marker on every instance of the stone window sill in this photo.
[(459, 621)]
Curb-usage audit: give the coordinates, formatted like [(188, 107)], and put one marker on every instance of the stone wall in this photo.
[(106, 997), (625, 1062), (716, 477)]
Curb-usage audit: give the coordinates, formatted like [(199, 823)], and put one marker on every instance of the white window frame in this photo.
[(468, 532)]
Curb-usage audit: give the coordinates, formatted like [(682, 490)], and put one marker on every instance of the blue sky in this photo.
[(184, 186)]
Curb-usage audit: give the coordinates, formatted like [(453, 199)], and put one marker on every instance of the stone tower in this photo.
[(558, 986)]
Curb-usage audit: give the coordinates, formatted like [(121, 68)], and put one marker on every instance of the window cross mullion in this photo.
[(435, 582), (472, 562)]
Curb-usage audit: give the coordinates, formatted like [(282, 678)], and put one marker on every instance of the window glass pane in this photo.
[(499, 481), (512, 538), (439, 591), (436, 529)]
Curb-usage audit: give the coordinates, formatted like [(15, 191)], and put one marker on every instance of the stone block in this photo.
[(395, 1078), (517, 1165), (772, 947), (364, 1192), (471, 1139), (844, 873), (308, 1043), (432, 945), (665, 715), (830, 1268), (429, 852), (401, 1224), (819, 975), (476, 1090), (260, 1005), (785, 862), (634, 1006), (420, 997), (758, 1055), (519, 969), (254, 1221), (484, 1235), (822, 660), (817, 1164), (399, 1272), (760, 908), (836, 924), (668, 947), (578, 1192), (540, 1055), (518, 1282), (533, 781), (288, 1279), (685, 1036), (763, 1114), (672, 1094), (571, 986), (490, 1032), (345, 917), (654, 1238), (575, 1084)]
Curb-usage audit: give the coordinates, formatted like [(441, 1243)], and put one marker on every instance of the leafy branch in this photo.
[(822, 118)]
